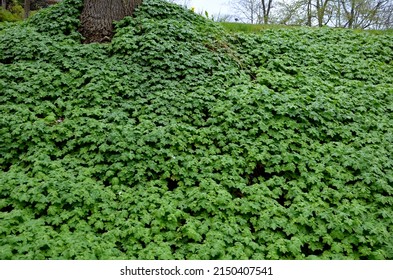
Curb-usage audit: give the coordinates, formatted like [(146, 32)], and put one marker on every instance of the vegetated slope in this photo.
[(179, 141)]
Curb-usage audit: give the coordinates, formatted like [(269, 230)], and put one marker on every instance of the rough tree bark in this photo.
[(98, 16)]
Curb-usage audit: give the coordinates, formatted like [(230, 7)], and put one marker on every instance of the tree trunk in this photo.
[(27, 8), (309, 13), (98, 16), (4, 4), (352, 15), (338, 17), (266, 7)]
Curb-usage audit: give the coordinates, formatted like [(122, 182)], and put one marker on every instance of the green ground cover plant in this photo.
[(178, 140)]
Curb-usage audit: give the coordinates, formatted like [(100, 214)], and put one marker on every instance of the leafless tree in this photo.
[(254, 11), (266, 9), (386, 17), (247, 10), (364, 13), (289, 13), (361, 14)]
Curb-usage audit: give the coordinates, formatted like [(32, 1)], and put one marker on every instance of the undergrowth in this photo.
[(178, 140)]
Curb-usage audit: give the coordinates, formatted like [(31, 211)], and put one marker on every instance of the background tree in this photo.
[(323, 12), (98, 16), (289, 13), (309, 12), (248, 10), (253, 11), (39, 4), (298, 12), (4, 4), (386, 17), (27, 8), (266, 9), (363, 14), (359, 14)]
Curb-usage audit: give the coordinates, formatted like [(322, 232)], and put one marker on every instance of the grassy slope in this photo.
[(180, 141), (255, 28), (249, 28)]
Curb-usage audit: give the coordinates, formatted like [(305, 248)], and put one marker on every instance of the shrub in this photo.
[(14, 15), (180, 141)]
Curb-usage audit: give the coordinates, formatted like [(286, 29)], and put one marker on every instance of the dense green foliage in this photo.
[(180, 141)]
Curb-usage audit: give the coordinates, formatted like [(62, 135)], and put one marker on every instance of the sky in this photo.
[(213, 7)]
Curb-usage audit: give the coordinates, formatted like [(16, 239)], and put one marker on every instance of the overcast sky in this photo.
[(221, 7)]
